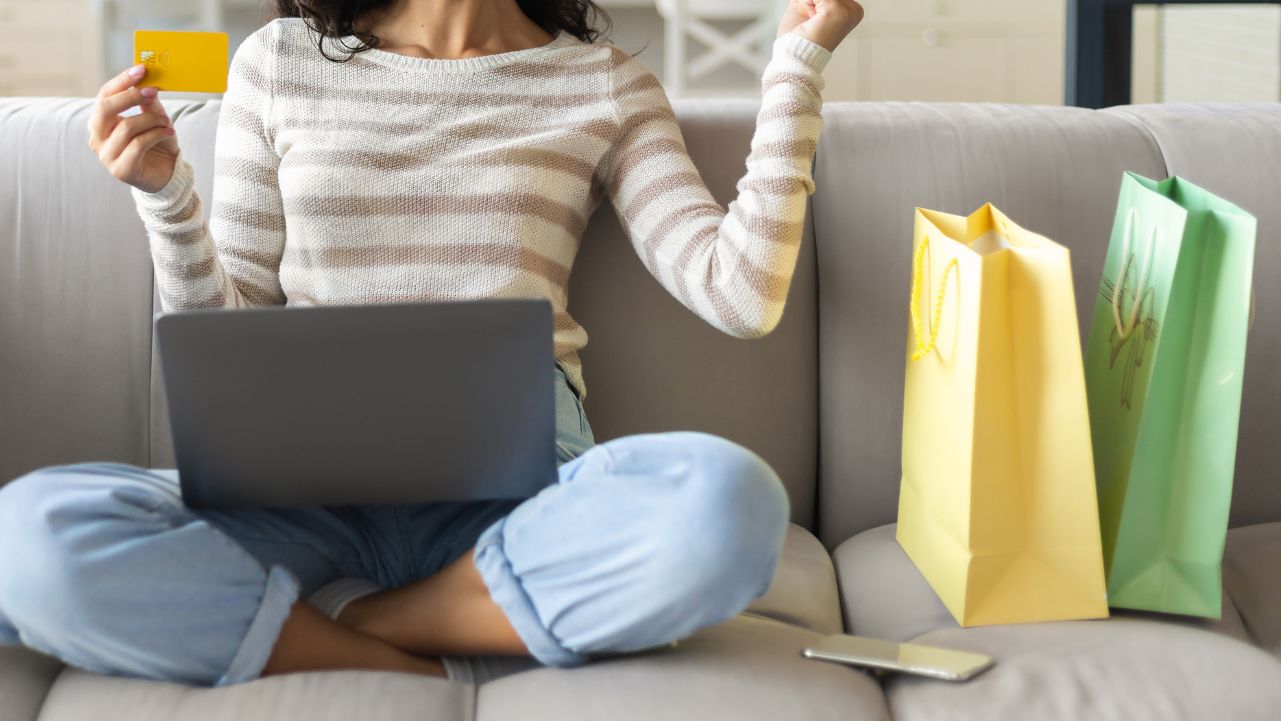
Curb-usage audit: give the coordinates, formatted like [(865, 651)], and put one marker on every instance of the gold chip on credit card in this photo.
[(183, 62)]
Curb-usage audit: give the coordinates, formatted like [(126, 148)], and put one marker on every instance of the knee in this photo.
[(25, 541), (35, 539), (652, 538), (24, 507), (726, 522), (54, 523)]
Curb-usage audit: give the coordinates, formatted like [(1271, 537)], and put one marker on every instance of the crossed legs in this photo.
[(644, 540)]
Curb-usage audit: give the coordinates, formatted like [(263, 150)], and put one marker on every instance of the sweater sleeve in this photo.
[(233, 260), (732, 268)]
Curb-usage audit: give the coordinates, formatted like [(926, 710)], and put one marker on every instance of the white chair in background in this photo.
[(748, 48)]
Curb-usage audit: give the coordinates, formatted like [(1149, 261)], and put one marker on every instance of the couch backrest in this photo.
[(75, 297), (1056, 171), (78, 379)]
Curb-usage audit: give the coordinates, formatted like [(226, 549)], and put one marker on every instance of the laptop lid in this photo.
[(338, 405)]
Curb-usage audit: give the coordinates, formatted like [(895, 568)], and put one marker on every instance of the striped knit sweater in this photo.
[(391, 178)]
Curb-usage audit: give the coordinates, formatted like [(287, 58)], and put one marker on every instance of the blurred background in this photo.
[(963, 50)]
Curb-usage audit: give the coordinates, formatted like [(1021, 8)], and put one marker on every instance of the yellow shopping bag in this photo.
[(998, 507)]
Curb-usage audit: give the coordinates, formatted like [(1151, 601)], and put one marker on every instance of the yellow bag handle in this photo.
[(918, 265), (1125, 329)]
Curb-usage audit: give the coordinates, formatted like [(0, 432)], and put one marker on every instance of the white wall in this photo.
[(1222, 53), (1227, 53)]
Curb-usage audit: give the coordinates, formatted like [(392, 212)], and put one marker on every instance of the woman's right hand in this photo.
[(825, 22), (141, 150)]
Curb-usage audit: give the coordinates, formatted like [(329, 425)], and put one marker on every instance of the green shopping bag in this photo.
[(1163, 369)]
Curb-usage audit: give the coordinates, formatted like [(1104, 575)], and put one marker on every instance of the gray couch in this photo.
[(820, 398)]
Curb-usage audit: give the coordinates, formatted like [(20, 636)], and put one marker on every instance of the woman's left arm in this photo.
[(731, 267)]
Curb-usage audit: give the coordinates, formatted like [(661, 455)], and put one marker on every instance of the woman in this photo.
[(375, 151)]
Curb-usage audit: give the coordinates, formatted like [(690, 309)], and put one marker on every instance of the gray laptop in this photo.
[(341, 405)]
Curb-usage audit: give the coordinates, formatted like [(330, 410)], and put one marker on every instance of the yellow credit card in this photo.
[(182, 62)]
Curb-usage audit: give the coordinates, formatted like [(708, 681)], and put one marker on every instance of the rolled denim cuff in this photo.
[(255, 649), (507, 591), (331, 598)]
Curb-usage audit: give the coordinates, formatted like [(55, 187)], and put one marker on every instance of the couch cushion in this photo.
[(1055, 171), (747, 669), (25, 679), (75, 296), (1131, 666), (364, 695), (883, 595), (1232, 150), (803, 592), (1121, 669), (1252, 579)]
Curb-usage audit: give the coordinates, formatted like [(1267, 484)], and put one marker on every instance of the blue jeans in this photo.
[(644, 540)]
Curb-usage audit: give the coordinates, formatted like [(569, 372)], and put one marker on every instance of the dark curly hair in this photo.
[(336, 19)]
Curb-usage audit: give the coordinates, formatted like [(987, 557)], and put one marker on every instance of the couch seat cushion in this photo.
[(1120, 669), (344, 695), (1131, 666), (884, 596), (749, 669)]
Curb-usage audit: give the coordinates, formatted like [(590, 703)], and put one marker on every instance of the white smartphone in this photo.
[(940, 663)]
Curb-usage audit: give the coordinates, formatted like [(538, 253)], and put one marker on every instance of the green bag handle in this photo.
[(1125, 329)]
